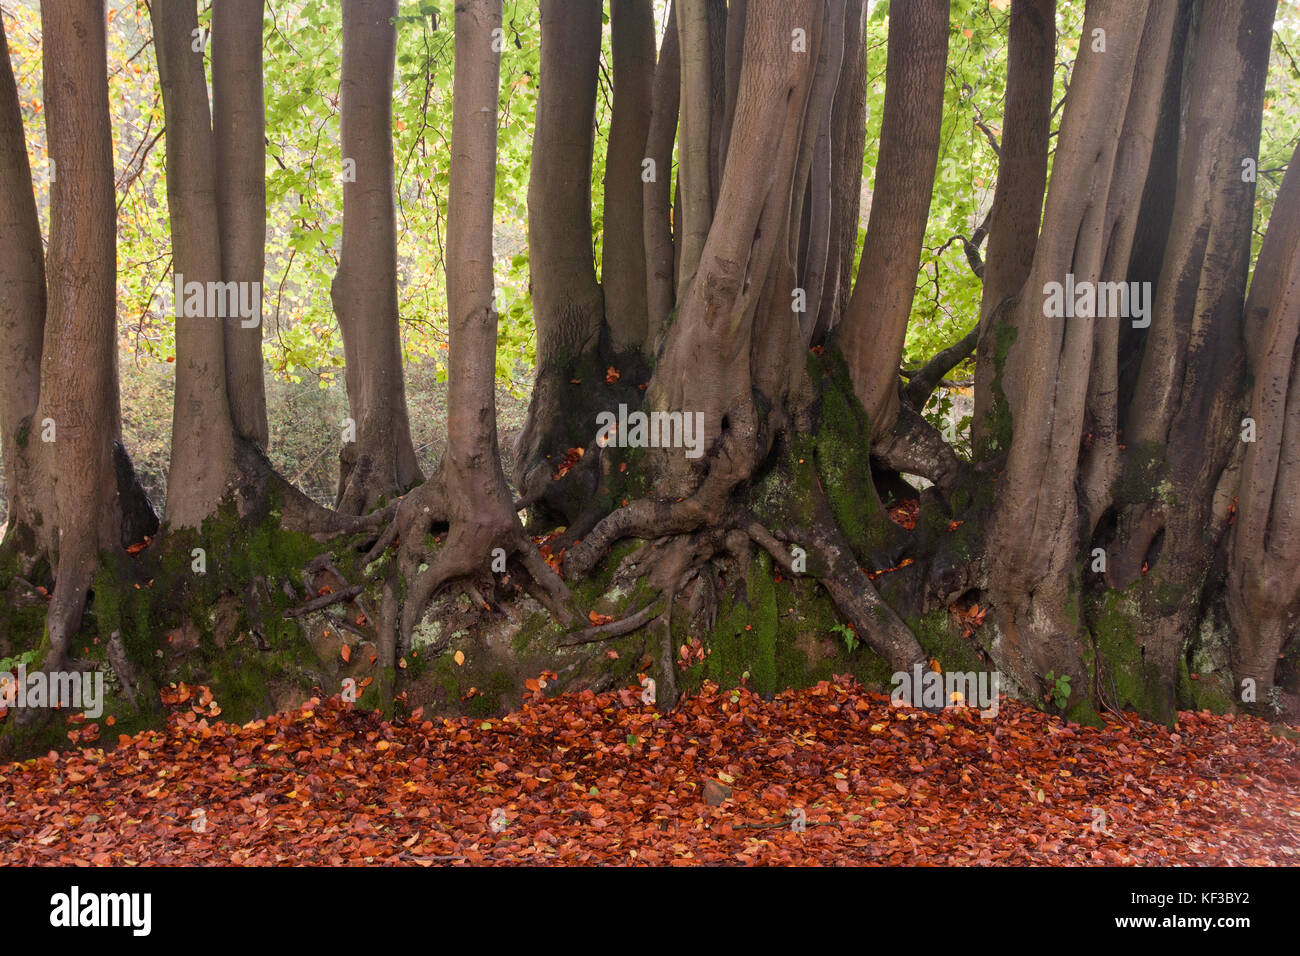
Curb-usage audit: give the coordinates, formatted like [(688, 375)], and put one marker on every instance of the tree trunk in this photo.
[(658, 190), (1264, 557), (210, 463), (469, 491), (874, 327), (22, 325), (718, 20), (568, 305), (811, 233), (1185, 420), (239, 137), (737, 14), (694, 167), (623, 272), (1101, 465), (203, 439), (381, 463), (733, 359), (848, 139), (1017, 205), (1033, 539), (79, 391)]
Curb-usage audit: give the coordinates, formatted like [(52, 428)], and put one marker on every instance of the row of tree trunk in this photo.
[(1131, 491)]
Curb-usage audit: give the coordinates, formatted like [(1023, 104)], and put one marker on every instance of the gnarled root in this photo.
[(465, 556), (850, 589), (259, 483)]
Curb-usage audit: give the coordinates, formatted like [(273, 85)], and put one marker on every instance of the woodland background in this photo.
[(306, 399)]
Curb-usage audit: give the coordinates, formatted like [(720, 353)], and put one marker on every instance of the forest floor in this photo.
[(827, 775)]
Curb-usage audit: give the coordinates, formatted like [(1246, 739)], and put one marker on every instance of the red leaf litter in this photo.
[(831, 774)]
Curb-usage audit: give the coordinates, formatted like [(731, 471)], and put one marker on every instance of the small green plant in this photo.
[(850, 636), (25, 658), (1059, 691)]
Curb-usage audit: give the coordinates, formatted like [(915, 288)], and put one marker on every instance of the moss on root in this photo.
[(1126, 680), (780, 634), (177, 623), (937, 637), (842, 450), (998, 421), (1143, 477)]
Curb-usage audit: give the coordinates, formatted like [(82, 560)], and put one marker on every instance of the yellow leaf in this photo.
[(459, 657)]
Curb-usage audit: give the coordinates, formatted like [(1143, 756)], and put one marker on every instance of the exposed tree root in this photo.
[(258, 483), (916, 447), (612, 629), (465, 556), (850, 589), (325, 600), (343, 624), (644, 518), (681, 553)]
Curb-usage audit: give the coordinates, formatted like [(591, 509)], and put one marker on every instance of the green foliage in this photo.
[(304, 189), (1058, 689), (25, 659), (849, 635)]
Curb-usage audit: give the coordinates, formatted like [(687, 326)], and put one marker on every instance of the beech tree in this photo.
[(468, 494), (215, 461), (718, 401), (72, 489), (378, 460), (239, 142)]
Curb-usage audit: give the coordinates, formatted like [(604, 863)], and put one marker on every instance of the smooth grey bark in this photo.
[(22, 323), (381, 464), (874, 327), (623, 258), (1033, 545), (658, 191), (203, 439), (239, 138), (79, 390), (1263, 593), (1017, 200), (568, 304)]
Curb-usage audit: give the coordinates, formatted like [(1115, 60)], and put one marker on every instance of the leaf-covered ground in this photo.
[(603, 779)]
